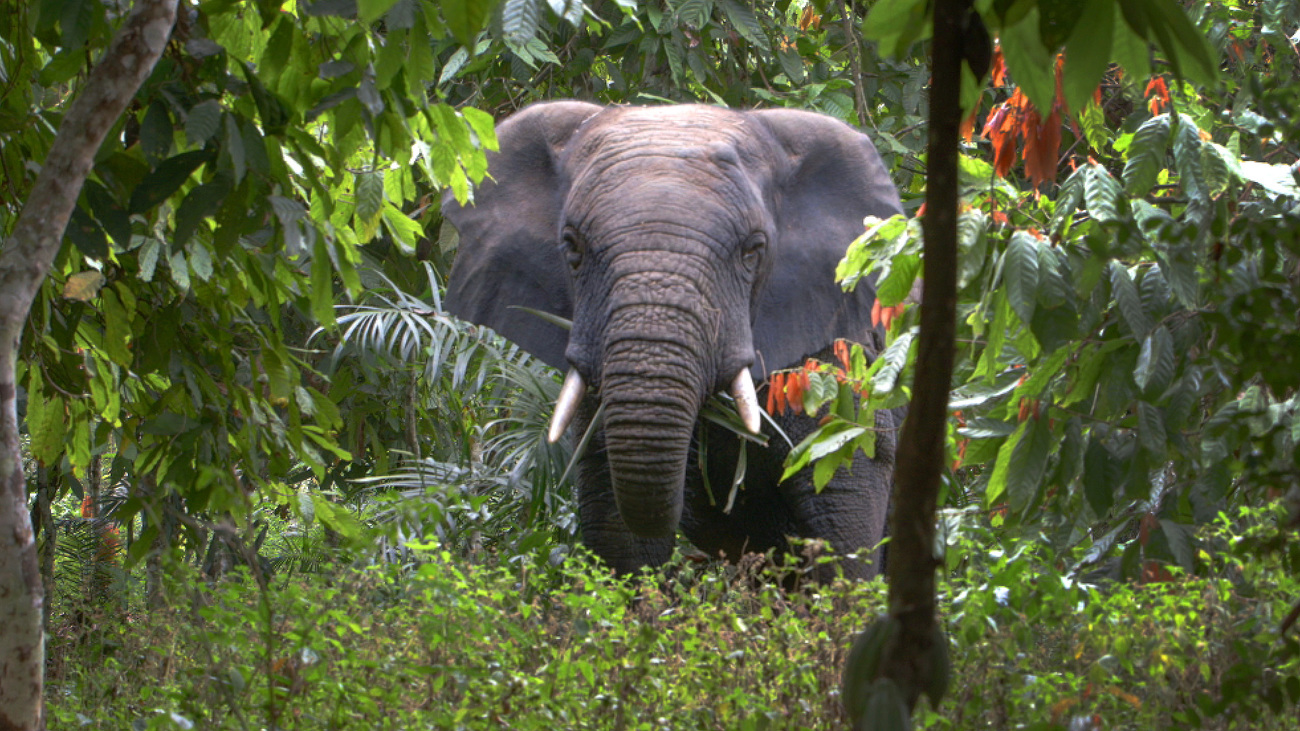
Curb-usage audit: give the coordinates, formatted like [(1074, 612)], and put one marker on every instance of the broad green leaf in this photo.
[(1068, 200), (203, 121), (1102, 194), (368, 11), (166, 179), (1276, 179), (156, 133), (895, 26), (202, 202), (1020, 274), (891, 363), (1030, 63), (519, 20), (1042, 373), (118, 315), (465, 18), (895, 287), (1028, 463), (1128, 301), (369, 194), (1129, 49), (1181, 41), (1151, 429), (747, 25), (322, 284), (1187, 158), (1146, 155), (45, 421), (1156, 362), (1053, 289), (1100, 470), (1087, 53)]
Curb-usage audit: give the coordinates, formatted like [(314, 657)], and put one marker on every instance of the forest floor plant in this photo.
[(529, 642)]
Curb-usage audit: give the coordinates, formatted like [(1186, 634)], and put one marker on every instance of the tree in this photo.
[(899, 658), (24, 261)]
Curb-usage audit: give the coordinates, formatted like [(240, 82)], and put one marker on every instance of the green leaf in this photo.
[(895, 287), (202, 202), (169, 176), (1087, 54), (1030, 63), (1102, 194), (156, 133), (1028, 463), (465, 18), (747, 25), (110, 214), (827, 439), (370, 195), (891, 363), (895, 26), (322, 284), (45, 421), (1151, 429), (1129, 49), (1188, 158), (1182, 42), (1147, 155), (1129, 302), (86, 234), (118, 314), (1156, 362), (203, 121), (368, 11), (1020, 274), (1100, 473), (519, 20)]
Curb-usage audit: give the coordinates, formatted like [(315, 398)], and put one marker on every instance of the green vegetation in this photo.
[(454, 642), (273, 485)]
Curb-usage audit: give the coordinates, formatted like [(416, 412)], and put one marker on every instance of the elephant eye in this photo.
[(751, 253), (571, 249)]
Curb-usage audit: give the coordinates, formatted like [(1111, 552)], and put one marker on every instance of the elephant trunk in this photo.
[(652, 393)]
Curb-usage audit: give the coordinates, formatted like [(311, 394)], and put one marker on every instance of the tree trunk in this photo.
[(25, 259), (912, 562)]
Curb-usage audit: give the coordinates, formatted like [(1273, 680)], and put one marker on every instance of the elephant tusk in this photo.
[(742, 389), (566, 405)]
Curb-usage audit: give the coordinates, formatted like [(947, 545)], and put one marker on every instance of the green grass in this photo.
[(521, 644)]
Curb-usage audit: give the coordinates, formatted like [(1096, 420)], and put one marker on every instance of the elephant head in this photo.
[(692, 247)]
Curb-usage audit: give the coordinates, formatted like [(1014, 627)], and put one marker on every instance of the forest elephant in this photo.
[(694, 249)]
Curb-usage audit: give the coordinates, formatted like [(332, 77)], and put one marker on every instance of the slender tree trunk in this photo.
[(46, 489), (912, 562), (25, 259)]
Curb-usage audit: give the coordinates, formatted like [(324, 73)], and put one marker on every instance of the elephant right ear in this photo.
[(508, 256)]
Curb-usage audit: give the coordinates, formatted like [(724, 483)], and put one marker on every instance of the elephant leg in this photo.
[(851, 510), (603, 530)]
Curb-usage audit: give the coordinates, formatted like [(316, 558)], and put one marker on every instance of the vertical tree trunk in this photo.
[(46, 489), (25, 259), (920, 460)]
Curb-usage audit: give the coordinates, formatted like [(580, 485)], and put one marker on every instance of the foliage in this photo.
[(533, 645), (1107, 381)]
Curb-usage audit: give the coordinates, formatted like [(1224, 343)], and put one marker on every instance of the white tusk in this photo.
[(566, 405), (742, 389)]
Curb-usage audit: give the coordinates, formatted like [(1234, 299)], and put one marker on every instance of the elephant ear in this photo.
[(508, 256), (828, 178)]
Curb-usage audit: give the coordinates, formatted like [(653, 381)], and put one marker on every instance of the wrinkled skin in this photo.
[(687, 244)]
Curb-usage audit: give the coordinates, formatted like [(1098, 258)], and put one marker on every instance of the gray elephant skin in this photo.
[(693, 248)]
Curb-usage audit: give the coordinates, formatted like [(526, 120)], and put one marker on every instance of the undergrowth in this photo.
[(529, 644)]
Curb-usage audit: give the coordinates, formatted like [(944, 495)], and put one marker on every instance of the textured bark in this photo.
[(912, 563), (25, 259)]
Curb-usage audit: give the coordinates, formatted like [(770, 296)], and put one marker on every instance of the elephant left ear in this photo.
[(828, 178)]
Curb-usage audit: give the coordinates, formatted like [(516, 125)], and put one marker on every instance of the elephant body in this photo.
[(694, 249)]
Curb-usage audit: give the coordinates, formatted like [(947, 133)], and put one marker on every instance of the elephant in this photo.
[(693, 248)]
